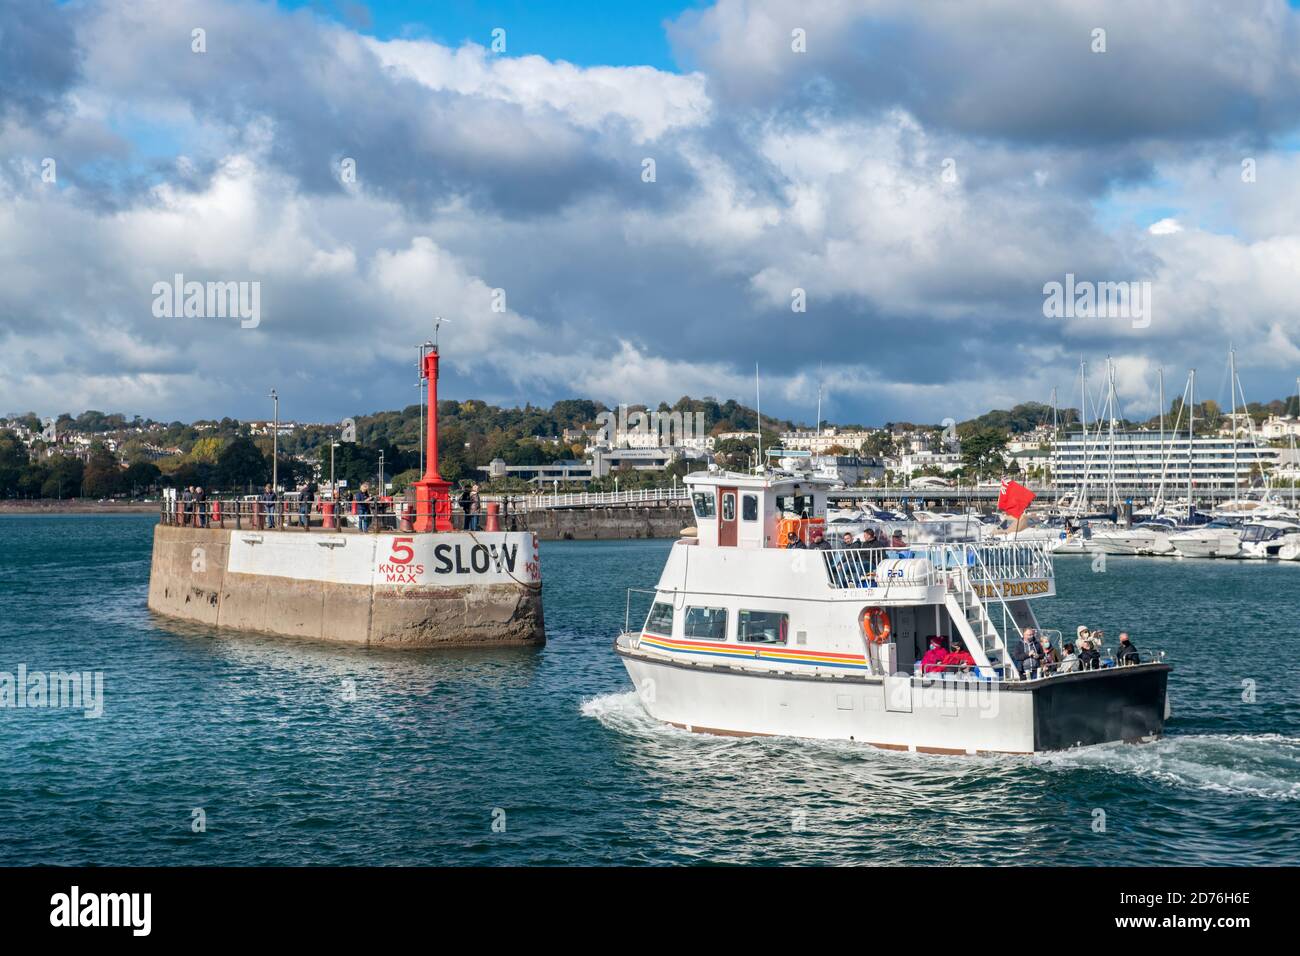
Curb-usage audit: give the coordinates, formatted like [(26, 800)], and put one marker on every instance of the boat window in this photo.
[(801, 505), (749, 507), (709, 623), (729, 507), (763, 627), (703, 504), (660, 620)]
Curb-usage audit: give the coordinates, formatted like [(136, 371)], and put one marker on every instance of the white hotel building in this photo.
[(1140, 459)]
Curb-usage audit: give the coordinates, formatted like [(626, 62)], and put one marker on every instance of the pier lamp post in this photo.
[(275, 443), (333, 488), (432, 491)]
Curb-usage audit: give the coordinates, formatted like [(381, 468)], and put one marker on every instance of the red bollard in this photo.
[(408, 519), (493, 516), (257, 514), (216, 511), (327, 514)]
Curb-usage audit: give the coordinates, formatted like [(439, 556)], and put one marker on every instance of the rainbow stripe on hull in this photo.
[(762, 652)]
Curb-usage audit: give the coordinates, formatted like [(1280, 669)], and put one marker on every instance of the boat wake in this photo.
[(1264, 766), (624, 714)]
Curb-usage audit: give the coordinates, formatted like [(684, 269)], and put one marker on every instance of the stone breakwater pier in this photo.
[(452, 589), (389, 574)]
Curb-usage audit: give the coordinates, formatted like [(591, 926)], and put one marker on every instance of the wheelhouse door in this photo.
[(727, 517)]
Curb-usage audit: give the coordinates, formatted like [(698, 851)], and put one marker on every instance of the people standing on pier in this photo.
[(306, 498), (464, 499), (474, 505), (187, 505), (268, 499), (363, 506), (200, 507)]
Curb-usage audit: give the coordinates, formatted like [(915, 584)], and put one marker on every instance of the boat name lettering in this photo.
[(1013, 589)]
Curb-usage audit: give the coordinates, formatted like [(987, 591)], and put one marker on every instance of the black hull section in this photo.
[(1099, 707)]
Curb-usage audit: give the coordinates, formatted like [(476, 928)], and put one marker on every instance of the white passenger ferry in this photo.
[(749, 636)]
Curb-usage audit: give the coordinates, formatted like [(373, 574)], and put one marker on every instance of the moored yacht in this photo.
[(755, 630), (1218, 539)]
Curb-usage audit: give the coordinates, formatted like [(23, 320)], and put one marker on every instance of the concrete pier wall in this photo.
[(384, 590), (606, 522)]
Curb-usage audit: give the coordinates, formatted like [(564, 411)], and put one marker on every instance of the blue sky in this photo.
[(585, 32)]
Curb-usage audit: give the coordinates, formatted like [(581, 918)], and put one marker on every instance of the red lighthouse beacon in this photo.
[(432, 492)]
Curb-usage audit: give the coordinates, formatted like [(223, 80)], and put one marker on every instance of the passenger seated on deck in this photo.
[(1069, 660), (1027, 655), (1128, 654), (1089, 658), (896, 540), (792, 541), (1051, 656), (932, 660), (958, 660)]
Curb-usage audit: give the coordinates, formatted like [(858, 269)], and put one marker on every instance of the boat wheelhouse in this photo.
[(759, 626)]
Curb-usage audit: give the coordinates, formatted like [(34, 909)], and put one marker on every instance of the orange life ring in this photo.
[(875, 624)]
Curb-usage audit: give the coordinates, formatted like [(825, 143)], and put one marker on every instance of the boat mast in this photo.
[(1191, 436), (1112, 494), (758, 411), (1080, 501), (1056, 437), (1232, 392), (1160, 373)]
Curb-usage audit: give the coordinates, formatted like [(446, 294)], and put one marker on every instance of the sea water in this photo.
[(221, 748)]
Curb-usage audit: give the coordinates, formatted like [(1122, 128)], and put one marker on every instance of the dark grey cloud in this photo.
[(1172, 72), (38, 57)]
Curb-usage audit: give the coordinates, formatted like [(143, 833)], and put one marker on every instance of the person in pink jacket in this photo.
[(932, 660)]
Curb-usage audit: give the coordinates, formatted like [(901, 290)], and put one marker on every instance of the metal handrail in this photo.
[(335, 516), (574, 499)]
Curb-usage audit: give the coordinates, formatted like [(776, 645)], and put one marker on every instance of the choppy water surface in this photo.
[(289, 767)]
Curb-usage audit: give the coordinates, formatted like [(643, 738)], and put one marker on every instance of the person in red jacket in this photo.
[(932, 660), (958, 659)]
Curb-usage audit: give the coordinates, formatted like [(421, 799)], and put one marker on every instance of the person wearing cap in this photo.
[(792, 541)]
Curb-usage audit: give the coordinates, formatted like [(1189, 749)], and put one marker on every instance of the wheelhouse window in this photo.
[(707, 623), (763, 627), (800, 505), (729, 507), (749, 507), (660, 620), (704, 504)]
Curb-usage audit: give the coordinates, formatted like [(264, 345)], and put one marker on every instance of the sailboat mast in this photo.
[(1232, 390), (1161, 376), (1191, 436), (1112, 494), (1081, 501)]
